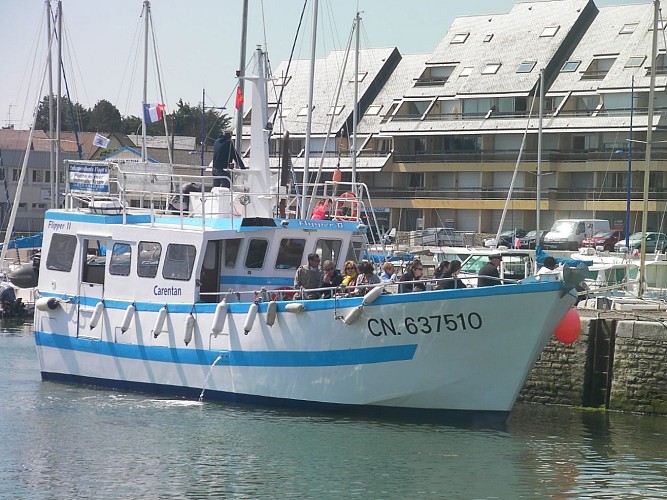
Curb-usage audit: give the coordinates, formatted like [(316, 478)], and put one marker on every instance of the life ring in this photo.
[(284, 293), (347, 209)]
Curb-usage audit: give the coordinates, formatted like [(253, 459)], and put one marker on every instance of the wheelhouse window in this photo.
[(61, 252), (329, 250), (179, 262), (149, 259), (121, 259), (290, 253), (256, 254), (232, 251)]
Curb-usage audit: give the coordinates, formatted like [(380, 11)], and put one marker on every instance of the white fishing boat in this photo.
[(197, 301)]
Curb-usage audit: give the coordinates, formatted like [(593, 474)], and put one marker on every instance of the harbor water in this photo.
[(61, 441)]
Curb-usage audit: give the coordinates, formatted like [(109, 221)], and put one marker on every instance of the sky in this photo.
[(198, 42)]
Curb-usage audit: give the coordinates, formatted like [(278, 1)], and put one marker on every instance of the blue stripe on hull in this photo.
[(361, 356), (485, 419)]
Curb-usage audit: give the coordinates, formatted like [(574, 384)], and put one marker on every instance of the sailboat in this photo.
[(199, 302)]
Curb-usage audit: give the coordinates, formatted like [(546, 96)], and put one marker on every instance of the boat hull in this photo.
[(453, 350)]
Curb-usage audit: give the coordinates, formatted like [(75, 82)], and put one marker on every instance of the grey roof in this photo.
[(516, 38), (13, 158), (603, 37), (398, 83), (153, 141), (376, 63)]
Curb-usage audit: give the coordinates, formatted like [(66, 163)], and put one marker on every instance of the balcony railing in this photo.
[(483, 194)]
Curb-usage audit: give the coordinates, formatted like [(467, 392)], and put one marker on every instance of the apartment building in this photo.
[(440, 133)]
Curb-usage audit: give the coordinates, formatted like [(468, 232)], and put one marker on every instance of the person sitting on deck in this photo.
[(366, 277), (331, 277), (489, 274), (308, 277), (411, 279)]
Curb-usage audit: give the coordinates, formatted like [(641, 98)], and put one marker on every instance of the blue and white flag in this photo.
[(100, 141), (153, 112)]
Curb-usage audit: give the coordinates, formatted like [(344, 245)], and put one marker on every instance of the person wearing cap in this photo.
[(489, 274), (548, 266), (224, 154)]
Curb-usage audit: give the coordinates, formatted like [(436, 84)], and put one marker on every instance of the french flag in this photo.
[(153, 112)]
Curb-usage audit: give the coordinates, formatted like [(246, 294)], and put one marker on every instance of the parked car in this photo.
[(506, 238), (604, 239), (654, 242), (528, 240)]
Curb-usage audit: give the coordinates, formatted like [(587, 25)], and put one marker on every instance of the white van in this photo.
[(567, 234)]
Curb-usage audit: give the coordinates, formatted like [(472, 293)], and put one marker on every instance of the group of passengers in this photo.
[(314, 281)]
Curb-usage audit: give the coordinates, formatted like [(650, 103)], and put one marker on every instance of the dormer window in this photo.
[(435, 75), (549, 31), (598, 68), (635, 62), (628, 28), (570, 66), (460, 38), (526, 67), (335, 111), (491, 69)]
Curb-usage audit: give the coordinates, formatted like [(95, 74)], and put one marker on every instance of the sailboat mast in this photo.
[(59, 31), (629, 182), (309, 115), (355, 111), (147, 10), (241, 74), (538, 181), (52, 151), (649, 139)]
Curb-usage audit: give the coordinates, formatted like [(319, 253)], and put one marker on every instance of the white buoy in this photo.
[(161, 316), (372, 295), (271, 312), (295, 307), (219, 317), (189, 328), (127, 319), (47, 303), (353, 315), (97, 314), (250, 318)]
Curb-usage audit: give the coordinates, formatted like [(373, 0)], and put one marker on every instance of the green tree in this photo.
[(105, 117), (70, 113)]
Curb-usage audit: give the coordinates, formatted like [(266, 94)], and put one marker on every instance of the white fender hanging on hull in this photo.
[(97, 314), (271, 312), (189, 328), (161, 316), (129, 313), (219, 318), (250, 318)]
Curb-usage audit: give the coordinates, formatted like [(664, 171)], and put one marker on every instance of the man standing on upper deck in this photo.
[(224, 153)]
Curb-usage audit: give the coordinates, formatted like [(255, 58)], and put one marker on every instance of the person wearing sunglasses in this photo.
[(411, 281), (331, 277)]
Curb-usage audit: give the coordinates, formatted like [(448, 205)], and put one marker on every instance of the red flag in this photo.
[(239, 97)]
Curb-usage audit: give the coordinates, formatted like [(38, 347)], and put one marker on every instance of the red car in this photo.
[(604, 239)]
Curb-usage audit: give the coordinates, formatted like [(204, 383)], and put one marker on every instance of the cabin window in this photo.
[(61, 252), (329, 250), (149, 259), (179, 262), (254, 259), (290, 253), (121, 259), (232, 251), (94, 267)]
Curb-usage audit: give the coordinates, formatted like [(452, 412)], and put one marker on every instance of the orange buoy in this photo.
[(569, 328)]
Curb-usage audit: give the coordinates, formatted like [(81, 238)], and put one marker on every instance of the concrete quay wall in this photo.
[(617, 364)]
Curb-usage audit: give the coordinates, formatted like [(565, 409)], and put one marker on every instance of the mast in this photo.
[(538, 181), (241, 74), (56, 193), (52, 152), (147, 11), (649, 139), (629, 181), (309, 116), (355, 110), (203, 128)]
